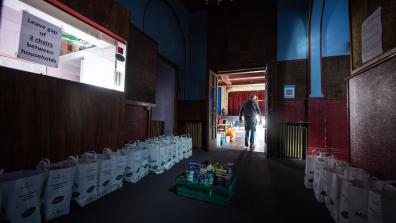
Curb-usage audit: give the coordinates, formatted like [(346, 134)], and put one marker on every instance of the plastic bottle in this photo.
[(190, 176), (210, 179)]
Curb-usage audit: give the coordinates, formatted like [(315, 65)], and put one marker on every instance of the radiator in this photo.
[(293, 140), (194, 129), (157, 128)]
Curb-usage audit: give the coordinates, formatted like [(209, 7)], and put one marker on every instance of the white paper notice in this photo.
[(39, 41), (372, 36)]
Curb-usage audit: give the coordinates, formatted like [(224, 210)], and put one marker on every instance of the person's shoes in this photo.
[(247, 144), (252, 147)]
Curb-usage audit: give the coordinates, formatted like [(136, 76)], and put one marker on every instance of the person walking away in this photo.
[(250, 109)]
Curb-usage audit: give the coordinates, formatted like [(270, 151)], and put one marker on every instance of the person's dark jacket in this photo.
[(250, 109)]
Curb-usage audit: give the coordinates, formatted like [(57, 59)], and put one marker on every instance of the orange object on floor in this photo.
[(232, 134)]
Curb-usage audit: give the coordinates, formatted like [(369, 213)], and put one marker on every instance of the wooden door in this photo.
[(212, 105)]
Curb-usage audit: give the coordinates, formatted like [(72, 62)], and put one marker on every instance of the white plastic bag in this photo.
[(21, 196), (179, 151), (168, 151), (382, 203), (333, 199), (358, 202), (343, 209), (144, 162), (331, 190), (118, 160), (189, 147), (85, 183), (353, 196), (132, 170), (318, 181), (173, 147), (105, 165), (58, 187), (327, 179), (183, 143), (309, 171), (157, 157)]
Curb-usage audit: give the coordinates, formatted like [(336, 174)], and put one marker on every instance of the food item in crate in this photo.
[(209, 174)]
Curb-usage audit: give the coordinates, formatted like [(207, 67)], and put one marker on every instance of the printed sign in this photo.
[(289, 91), (39, 41), (372, 36)]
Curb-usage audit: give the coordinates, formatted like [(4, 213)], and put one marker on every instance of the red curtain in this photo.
[(237, 98)]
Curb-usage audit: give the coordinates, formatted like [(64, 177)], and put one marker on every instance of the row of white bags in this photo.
[(53, 185), (166, 151), (83, 179), (350, 194)]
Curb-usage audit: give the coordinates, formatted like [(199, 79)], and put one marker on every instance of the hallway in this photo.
[(267, 191), (239, 143)]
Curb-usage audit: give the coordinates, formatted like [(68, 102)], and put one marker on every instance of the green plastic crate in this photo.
[(212, 194)]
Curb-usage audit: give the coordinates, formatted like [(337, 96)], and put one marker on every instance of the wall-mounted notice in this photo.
[(372, 36), (289, 91), (39, 41)]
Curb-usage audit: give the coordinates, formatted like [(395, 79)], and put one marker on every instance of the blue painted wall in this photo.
[(161, 24), (292, 28), (165, 94), (137, 7), (171, 25), (335, 34), (315, 65), (197, 68)]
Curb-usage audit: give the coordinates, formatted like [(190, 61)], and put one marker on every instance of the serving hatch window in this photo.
[(37, 37)]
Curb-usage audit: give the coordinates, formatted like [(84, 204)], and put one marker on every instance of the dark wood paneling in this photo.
[(241, 34), (157, 128), (107, 13), (292, 110), (334, 71), (43, 116), (135, 124), (141, 70), (192, 110), (360, 10), (293, 72), (273, 110), (195, 5), (373, 120)]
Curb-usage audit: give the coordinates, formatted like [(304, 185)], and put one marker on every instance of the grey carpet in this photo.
[(267, 190)]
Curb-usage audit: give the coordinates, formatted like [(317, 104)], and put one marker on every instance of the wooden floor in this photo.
[(239, 144)]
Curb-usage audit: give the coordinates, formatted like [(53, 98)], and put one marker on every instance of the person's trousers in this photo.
[(250, 128)]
